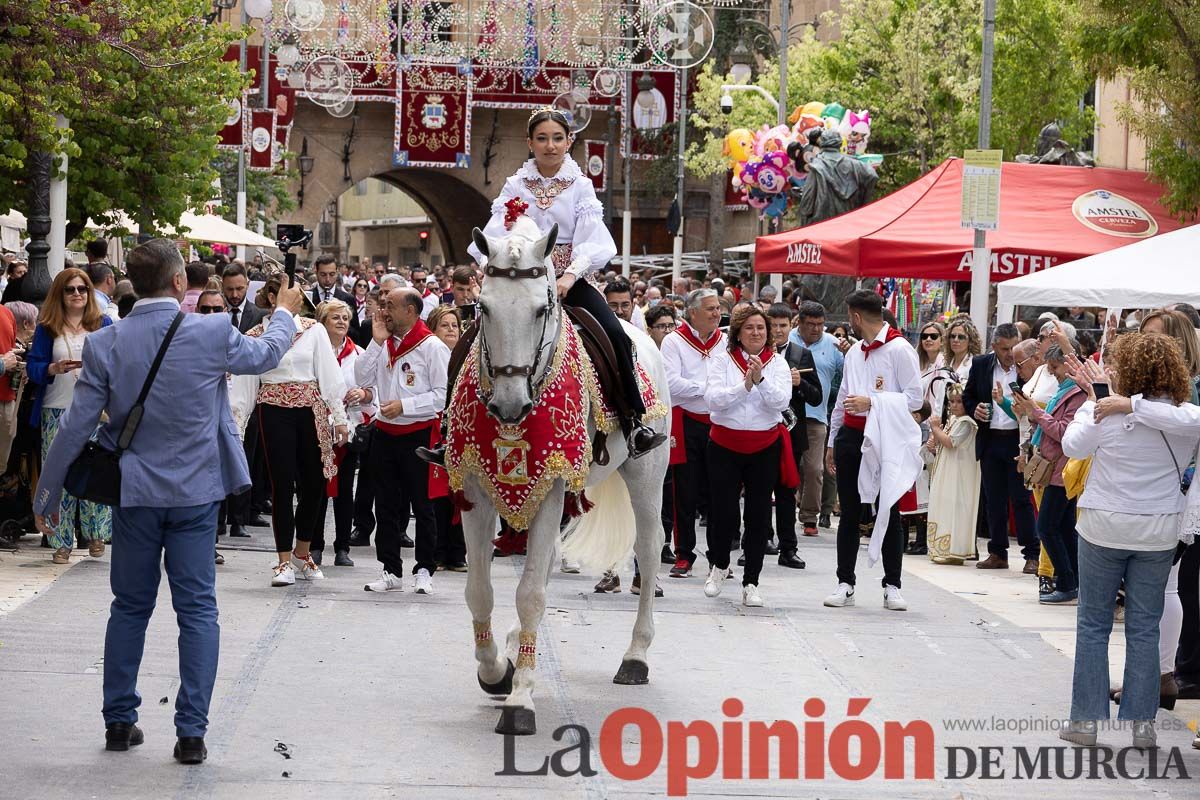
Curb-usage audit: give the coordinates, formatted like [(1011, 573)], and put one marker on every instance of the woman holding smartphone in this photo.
[(69, 314)]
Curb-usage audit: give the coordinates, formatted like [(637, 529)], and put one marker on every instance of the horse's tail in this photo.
[(603, 538)]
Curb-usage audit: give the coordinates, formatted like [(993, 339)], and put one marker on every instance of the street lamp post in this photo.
[(306, 166)]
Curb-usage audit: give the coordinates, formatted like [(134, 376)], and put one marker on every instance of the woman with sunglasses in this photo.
[(361, 289), (68, 315), (961, 344)]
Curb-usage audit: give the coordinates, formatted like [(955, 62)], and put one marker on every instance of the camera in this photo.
[(291, 235), (727, 103)]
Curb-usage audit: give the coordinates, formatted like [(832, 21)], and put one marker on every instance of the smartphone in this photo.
[(1016, 389), (1101, 390), (467, 312), (724, 323)]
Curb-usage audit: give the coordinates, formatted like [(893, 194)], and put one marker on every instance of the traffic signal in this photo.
[(424, 237)]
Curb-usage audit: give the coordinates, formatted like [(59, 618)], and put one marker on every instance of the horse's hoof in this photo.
[(516, 721), (502, 686), (633, 673)]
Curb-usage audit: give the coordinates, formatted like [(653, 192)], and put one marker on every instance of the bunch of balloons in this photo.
[(770, 165)]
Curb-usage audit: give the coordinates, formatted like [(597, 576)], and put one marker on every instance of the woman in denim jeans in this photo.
[(1056, 512), (1134, 470)]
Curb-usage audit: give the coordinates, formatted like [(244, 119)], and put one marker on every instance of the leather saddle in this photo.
[(604, 359)]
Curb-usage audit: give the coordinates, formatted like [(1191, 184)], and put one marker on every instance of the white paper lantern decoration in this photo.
[(287, 54), (257, 8)]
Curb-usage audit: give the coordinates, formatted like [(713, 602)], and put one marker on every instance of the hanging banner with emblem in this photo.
[(262, 139), (433, 124), (595, 161), (653, 105)]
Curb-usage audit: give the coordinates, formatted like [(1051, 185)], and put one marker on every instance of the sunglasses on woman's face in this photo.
[(958, 337), (75, 290), (932, 336)]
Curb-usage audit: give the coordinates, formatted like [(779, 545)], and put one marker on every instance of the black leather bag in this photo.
[(95, 475), (360, 442)]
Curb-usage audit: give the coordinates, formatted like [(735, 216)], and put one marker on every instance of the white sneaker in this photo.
[(423, 581), (892, 600), (388, 583), (716, 579), (283, 575), (750, 597), (308, 568), (842, 596), (570, 567)]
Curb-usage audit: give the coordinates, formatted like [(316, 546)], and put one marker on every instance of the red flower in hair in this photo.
[(516, 207)]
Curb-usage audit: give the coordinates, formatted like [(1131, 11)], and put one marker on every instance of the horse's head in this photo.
[(518, 317)]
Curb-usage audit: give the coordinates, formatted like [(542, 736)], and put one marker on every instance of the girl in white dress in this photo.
[(550, 189), (953, 495)]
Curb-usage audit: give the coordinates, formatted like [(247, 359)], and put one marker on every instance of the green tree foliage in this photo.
[(1155, 44), (268, 194), (915, 65), (143, 87)]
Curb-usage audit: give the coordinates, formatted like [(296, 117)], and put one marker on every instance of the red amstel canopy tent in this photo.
[(1048, 215)]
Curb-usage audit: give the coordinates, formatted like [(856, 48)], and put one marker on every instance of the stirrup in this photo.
[(433, 455), (643, 439)]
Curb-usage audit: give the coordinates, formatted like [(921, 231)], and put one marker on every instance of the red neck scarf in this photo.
[(704, 348), (739, 358), (891, 334), (416, 334), (347, 349)]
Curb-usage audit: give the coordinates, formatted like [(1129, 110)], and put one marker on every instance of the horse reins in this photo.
[(528, 371)]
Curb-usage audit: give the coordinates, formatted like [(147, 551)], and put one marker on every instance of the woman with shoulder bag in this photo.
[(53, 363), (1139, 441), (335, 315), (1056, 512)]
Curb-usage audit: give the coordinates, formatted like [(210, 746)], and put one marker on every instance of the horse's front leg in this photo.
[(494, 670), (517, 717), (647, 511)]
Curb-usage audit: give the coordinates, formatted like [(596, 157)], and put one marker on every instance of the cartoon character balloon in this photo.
[(856, 131), (739, 144)]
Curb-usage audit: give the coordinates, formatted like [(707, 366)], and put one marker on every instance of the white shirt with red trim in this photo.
[(891, 367), (416, 376), (687, 360), (759, 409), (431, 300)]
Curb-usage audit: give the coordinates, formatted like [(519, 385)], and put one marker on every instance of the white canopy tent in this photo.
[(201, 228), (1151, 273)]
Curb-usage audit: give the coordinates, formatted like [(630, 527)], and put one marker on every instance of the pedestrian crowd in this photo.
[(1047, 431)]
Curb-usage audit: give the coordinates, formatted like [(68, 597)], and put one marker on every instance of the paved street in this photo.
[(375, 696)]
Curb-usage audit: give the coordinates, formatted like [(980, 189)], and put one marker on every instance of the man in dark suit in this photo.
[(244, 315), (806, 390), (242, 311), (997, 446)]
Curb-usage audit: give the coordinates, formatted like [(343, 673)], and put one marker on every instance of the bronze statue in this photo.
[(836, 182), (1052, 149)]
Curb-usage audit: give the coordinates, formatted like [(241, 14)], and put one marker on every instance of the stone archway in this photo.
[(454, 206)]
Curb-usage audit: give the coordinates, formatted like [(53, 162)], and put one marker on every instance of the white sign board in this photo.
[(981, 189)]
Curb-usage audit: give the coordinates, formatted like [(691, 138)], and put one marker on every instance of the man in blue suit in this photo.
[(184, 459)]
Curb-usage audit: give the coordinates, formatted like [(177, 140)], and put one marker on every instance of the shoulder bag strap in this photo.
[(134, 419)]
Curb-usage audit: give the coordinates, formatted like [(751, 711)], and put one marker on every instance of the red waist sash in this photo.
[(748, 442)]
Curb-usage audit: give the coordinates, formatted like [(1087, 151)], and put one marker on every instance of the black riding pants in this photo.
[(584, 295)]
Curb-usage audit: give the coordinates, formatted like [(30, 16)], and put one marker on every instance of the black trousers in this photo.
[(668, 505), (293, 459), (847, 457), (451, 545), (729, 474), (1187, 659), (690, 480), (343, 506), (364, 498), (402, 478), (785, 498), (584, 295), (1002, 482)]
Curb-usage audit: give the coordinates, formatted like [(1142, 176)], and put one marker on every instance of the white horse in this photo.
[(520, 323)]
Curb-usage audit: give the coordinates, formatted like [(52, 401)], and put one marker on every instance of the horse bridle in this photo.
[(533, 378)]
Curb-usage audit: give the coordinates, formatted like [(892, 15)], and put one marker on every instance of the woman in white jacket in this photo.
[(294, 404), (1139, 455)]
